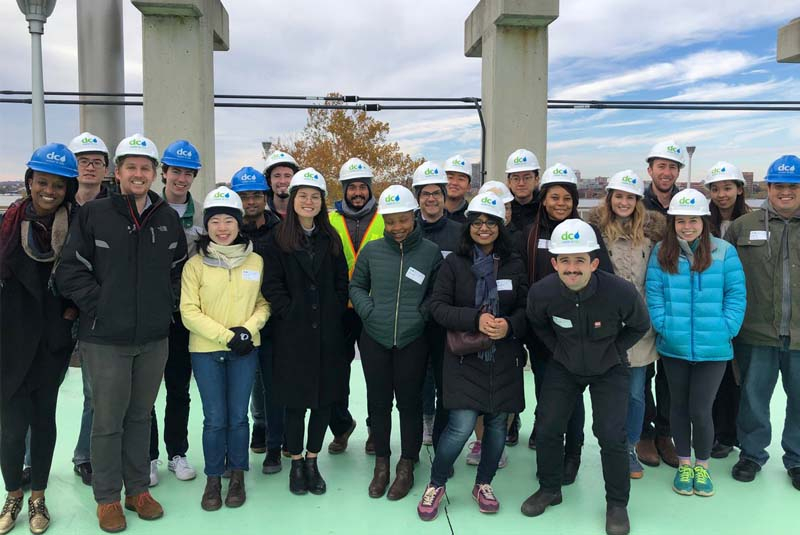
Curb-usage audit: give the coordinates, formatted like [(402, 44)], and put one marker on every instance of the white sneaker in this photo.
[(503, 460), (183, 470), (154, 472)]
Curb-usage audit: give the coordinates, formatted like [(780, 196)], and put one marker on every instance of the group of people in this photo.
[(262, 294)]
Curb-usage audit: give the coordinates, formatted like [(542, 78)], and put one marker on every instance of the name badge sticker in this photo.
[(759, 235), (250, 275), (544, 244), (445, 253), (562, 322), (415, 275), (504, 285)]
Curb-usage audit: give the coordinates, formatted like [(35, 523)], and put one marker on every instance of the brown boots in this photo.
[(380, 477), (403, 480), (212, 496), (236, 494)]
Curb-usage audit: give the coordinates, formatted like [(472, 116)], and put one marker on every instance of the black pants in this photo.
[(32, 406), (395, 373), (177, 378), (436, 339), (694, 386), (341, 419), (609, 393), (573, 438), (726, 408), (656, 410), (295, 427)]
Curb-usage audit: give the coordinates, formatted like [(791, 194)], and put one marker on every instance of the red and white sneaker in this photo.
[(484, 495), (428, 507)]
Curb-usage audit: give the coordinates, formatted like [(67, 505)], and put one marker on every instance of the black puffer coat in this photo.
[(469, 382)]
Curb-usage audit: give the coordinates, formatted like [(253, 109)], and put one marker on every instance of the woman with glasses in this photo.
[(481, 288)]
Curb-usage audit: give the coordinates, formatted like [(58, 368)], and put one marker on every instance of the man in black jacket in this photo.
[(430, 187), (588, 319), (121, 265)]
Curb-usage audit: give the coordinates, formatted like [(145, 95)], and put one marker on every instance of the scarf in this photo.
[(227, 256), (350, 213), (485, 290), (41, 237)]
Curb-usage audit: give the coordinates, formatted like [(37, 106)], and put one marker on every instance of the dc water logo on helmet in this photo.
[(519, 159), (429, 172), (783, 168), (674, 149), (629, 180), (487, 200), (391, 199), (717, 171), (222, 195), (560, 171), (244, 177), (54, 156), (569, 236), (456, 161), (355, 167), (184, 153), (89, 140), (684, 201), (138, 143), (311, 176)]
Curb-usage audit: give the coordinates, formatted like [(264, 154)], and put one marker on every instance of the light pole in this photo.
[(690, 152), (265, 146), (36, 13)]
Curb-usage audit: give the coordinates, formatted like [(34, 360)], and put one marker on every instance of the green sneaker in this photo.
[(702, 482), (684, 480)]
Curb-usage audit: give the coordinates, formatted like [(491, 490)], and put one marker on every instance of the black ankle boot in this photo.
[(314, 481), (297, 477)]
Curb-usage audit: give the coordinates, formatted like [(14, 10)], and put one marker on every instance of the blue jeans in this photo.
[(460, 424), (760, 366), (81, 453), (633, 426), (225, 380)]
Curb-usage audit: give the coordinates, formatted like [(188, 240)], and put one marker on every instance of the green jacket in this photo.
[(391, 285), (760, 238)]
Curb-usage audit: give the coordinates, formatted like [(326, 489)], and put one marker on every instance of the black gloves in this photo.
[(242, 342)]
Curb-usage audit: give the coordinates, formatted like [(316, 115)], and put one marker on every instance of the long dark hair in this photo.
[(739, 208), (289, 233), (670, 248), (543, 219), (502, 244)]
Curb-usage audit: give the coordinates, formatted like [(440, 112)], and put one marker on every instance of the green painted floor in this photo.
[(764, 506)]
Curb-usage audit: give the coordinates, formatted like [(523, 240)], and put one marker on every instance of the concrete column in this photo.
[(178, 40), (101, 68), (789, 42), (511, 37)]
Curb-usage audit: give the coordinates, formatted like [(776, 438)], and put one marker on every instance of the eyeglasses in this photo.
[(251, 196), (313, 198), (431, 194), (86, 162), (478, 223)]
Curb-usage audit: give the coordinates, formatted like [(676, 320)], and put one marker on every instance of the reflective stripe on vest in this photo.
[(374, 231)]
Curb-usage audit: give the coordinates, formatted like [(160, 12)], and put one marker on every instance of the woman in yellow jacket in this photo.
[(222, 306)]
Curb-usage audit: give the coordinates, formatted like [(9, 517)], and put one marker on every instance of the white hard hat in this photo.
[(355, 168), (487, 203), (689, 202), (499, 189), (136, 145), (521, 160), (667, 150), (223, 197), (396, 199), (428, 173), (628, 181), (280, 158), (309, 177), (558, 174), (87, 142), (458, 164), (723, 171), (573, 236)]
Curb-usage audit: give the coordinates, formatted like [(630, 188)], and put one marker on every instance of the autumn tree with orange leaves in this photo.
[(332, 136)]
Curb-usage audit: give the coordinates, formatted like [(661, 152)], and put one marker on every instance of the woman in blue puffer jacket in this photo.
[(696, 296)]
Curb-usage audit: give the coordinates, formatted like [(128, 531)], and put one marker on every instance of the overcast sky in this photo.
[(599, 49)]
